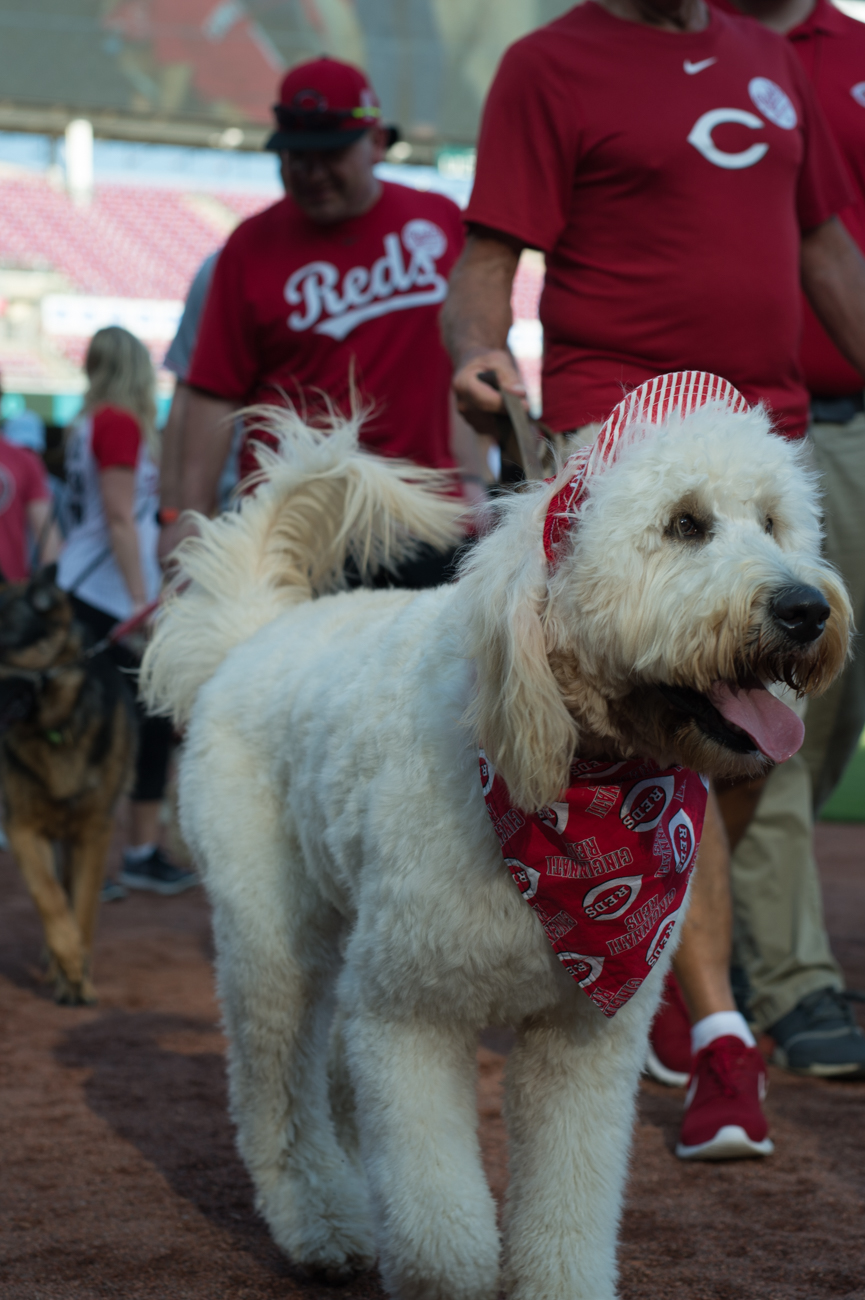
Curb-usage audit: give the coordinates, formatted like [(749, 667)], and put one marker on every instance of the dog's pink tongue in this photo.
[(773, 726)]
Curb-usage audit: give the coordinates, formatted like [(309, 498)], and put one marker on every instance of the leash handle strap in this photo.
[(525, 430)]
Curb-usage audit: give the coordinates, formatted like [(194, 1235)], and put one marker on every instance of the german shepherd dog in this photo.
[(67, 747)]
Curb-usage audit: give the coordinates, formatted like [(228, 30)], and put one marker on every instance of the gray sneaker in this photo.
[(820, 1037), (158, 874), (112, 892)]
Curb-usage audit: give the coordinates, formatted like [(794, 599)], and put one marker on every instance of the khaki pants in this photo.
[(779, 936)]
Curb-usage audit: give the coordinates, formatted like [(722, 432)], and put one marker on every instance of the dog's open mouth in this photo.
[(744, 718)]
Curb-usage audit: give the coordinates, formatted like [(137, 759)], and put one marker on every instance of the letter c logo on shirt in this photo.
[(772, 102), (701, 138)]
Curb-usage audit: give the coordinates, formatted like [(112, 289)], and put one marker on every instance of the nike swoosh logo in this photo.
[(691, 68)]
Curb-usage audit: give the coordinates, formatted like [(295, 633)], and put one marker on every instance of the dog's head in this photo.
[(690, 578), (35, 621)]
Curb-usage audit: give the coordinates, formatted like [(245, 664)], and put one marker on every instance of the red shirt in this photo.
[(300, 308), (22, 480), (667, 177), (832, 49)]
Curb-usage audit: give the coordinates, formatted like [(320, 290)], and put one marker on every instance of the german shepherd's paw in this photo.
[(73, 993)]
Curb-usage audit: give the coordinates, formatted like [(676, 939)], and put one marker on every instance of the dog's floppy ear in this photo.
[(517, 713)]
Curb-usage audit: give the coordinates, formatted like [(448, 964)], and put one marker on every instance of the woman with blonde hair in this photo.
[(109, 566)]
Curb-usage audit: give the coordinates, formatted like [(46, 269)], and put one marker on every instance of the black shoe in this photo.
[(112, 891), (820, 1037), (158, 874)]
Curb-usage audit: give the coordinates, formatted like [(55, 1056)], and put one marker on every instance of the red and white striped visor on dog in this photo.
[(685, 391)]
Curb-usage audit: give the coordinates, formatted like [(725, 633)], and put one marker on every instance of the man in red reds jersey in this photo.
[(796, 989), (674, 167), (339, 283)]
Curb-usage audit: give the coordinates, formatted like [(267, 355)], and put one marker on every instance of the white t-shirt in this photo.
[(87, 567)]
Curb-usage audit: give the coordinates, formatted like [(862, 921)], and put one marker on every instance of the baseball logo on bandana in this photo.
[(556, 816), (662, 938), (683, 840), (585, 970), (526, 878), (611, 900), (646, 802)]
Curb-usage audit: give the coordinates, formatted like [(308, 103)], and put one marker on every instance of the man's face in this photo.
[(334, 184)]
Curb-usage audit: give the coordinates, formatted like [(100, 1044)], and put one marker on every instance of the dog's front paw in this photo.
[(326, 1231), (73, 993)]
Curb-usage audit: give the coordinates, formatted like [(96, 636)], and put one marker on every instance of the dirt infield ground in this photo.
[(118, 1176)]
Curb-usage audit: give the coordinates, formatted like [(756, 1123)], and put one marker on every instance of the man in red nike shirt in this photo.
[(674, 167), (795, 986), (333, 294)]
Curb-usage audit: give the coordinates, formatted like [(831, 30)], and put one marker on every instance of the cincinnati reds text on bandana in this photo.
[(607, 868)]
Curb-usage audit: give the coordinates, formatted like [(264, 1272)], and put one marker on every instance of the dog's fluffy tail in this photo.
[(320, 502)]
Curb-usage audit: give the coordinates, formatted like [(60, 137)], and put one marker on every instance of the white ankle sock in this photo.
[(719, 1025), (138, 853)]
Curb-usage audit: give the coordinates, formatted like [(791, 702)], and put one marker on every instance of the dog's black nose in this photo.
[(801, 612)]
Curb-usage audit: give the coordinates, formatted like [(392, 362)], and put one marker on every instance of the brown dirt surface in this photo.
[(119, 1178)]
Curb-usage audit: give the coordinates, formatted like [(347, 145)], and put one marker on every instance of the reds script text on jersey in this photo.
[(302, 309)]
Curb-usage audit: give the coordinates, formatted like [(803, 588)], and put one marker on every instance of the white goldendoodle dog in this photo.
[(367, 923)]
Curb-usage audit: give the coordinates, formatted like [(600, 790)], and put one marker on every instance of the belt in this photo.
[(837, 410)]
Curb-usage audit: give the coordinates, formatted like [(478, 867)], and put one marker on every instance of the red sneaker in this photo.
[(668, 1056), (724, 1117)]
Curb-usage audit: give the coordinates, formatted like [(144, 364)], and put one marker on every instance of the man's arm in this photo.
[(475, 323), (833, 277), (193, 455)]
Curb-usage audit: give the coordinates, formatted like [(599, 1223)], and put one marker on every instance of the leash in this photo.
[(119, 631), (523, 439)]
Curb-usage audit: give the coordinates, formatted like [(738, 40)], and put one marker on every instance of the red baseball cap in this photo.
[(323, 104)]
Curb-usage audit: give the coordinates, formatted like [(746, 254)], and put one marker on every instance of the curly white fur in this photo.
[(366, 926)]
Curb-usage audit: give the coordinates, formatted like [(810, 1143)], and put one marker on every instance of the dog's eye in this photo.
[(770, 525), (687, 526)]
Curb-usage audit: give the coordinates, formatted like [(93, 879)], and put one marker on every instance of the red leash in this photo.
[(120, 630)]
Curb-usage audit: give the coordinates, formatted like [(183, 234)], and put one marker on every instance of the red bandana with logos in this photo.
[(607, 868)]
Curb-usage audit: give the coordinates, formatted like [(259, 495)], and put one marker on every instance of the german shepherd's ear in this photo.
[(42, 589)]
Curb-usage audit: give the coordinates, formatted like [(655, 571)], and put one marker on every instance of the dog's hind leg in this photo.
[(571, 1083), (417, 1116), (35, 857), (86, 858), (277, 959)]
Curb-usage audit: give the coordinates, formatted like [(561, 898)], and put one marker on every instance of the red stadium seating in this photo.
[(138, 241)]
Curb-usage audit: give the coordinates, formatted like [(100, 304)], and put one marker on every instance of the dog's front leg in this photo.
[(417, 1115), (35, 858), (571, 1083)]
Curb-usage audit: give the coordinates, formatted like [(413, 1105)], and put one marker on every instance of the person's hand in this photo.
[(477, 401), (170, 537)]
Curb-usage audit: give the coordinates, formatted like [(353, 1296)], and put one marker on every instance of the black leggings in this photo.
[(155, 735)]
